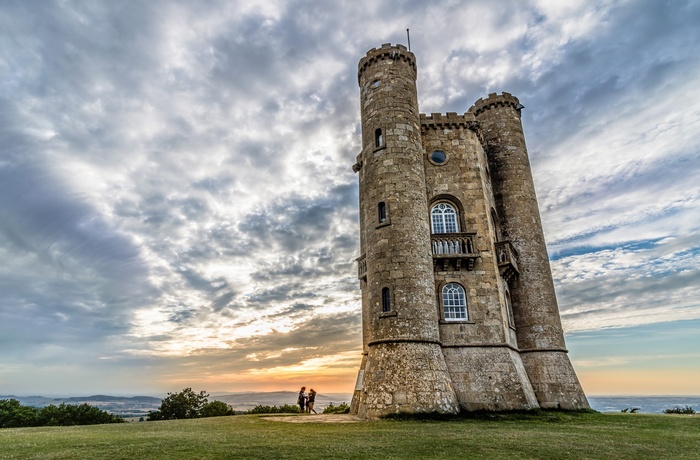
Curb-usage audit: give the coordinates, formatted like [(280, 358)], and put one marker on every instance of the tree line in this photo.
[(181, 405), (15, 415), (188, 404)]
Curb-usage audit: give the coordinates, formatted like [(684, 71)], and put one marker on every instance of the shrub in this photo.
[(632, 410), (13, 414), (217, 409), (687, 410), (341, 408), (188, 404), (69, 414), (185, 404), (285, 409)]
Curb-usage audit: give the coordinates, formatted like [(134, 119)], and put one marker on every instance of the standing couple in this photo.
[(306, 402)]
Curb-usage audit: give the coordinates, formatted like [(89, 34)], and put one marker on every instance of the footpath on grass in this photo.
[(316, 418)]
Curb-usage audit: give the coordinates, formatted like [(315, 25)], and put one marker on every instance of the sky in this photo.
[(178, 208)]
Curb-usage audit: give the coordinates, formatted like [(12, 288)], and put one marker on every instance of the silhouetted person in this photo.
[(311, 400), (301, 400)]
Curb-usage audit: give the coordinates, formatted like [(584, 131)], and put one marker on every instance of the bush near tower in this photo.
[(188, 404)]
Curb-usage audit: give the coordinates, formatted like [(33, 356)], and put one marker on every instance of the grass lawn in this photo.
[(544, 436)]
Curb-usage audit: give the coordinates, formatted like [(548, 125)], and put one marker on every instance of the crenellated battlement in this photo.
[(387, 51), (449, 120), (495, 100)]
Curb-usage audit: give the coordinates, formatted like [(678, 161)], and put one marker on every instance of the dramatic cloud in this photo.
[(177, 203)]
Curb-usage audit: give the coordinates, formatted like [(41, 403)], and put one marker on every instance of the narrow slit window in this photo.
[(495, 223), (509, 310), (386, 300), (378, 137), (382, 212)]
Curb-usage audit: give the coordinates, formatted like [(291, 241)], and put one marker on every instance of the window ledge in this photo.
[(444, 321), (387, 314), (381, 147), (384, 224)]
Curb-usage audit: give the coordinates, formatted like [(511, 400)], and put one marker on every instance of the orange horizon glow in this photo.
[(677, 382), (668, 382), (340, 383), (328, 374), (338, 373)]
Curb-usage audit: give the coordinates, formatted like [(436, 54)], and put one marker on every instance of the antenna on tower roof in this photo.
[(408, 36)]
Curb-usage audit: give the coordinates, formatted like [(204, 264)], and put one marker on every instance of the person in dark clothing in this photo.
[(301, 400), (310, 403)]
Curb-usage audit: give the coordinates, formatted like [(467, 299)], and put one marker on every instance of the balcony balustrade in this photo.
[(454, 250), (450, 251)]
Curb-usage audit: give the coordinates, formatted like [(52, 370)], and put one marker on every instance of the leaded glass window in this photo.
[(454, 302), (444, 218)]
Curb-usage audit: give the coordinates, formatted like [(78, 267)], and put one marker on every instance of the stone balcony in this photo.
[(507, 258), (454, 251)]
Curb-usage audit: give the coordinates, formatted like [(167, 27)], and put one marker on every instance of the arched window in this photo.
[(454, 302), (443, 218), (382, 212), (378, 138), (386, 300)]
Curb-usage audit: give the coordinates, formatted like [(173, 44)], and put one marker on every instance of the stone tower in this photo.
[(458, 303), (538, 326), (400, 327)]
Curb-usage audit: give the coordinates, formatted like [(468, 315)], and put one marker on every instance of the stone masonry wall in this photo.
[(485, 368)]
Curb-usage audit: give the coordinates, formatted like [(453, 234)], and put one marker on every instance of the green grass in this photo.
[(542, 436)]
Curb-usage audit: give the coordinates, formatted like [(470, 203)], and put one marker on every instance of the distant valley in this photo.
[(139, 406)]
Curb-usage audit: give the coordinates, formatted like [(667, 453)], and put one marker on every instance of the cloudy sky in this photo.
[(178, 209)]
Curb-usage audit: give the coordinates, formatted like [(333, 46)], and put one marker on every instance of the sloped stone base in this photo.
[(554, 380), (489, 378), (404, 377)]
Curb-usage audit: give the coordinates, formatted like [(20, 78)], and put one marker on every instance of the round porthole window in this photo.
[(375, 83), (438, 157)]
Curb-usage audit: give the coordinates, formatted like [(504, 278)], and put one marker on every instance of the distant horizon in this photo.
[(134, 395), (214, 393)]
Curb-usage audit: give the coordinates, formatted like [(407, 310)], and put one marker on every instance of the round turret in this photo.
[(403, 369), (514, 190), (539, 332), (397, 238)]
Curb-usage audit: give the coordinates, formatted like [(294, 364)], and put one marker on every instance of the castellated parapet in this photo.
[(458, 303)]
